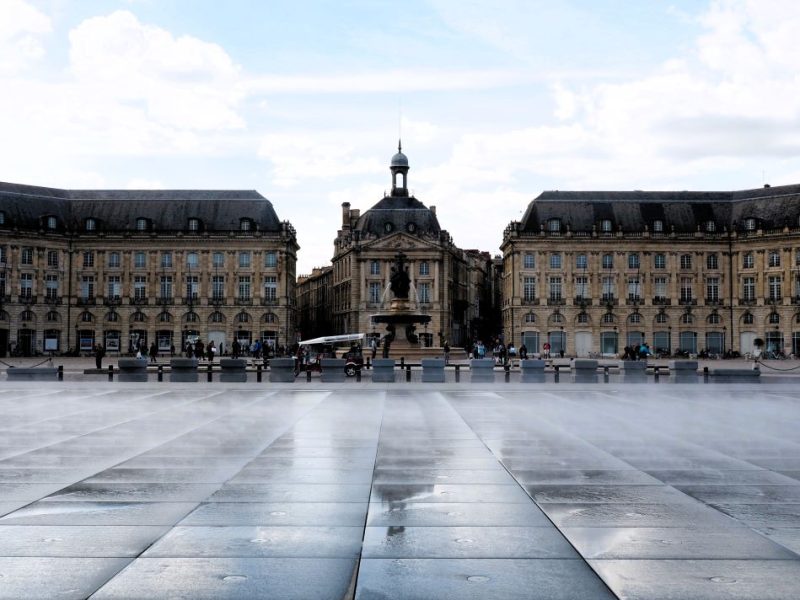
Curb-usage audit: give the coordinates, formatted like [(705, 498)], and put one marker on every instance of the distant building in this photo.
[(449, 284), (126, 268), (592, 272), (314, 307)]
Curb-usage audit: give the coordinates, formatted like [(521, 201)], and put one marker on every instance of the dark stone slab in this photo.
[(532, 370), (383, 370), (183, 370), (456, 514), (432, 370), (332, 370), (634, 371), (583, 370), (281, 370), (32, 374), (735, 375), (481, 370)]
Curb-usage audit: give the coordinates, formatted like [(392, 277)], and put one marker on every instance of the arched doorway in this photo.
[(26, 341)]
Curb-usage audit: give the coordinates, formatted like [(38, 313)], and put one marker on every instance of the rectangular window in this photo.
[(608, 261), (749, 288), (140, 287), (712, 289), (375, 268), (218, 287), (165, 288), (686, 289), (634, 289), (87, 287), (424, 293), (633, 261), (660, 261), (51, 286), (797, 258), (686, 261), (555, 288), (270, 259), (774, 258), (374, 292), (114, 287), (88, 259), (218, 259), (113, 260), (26, 284), (52, 259), (244, 287), (748, 261), (139, 260), (529, 289), (609, 288), (192, 260), (166, 260), (581, 287), (3, 255), (774, 287), (244, 260), (796, 287), (2, 283), (192, 286), (581, 261), (529, 262), (424, 268), (555, 261), (26, 257), (270, 288), (660, 284)]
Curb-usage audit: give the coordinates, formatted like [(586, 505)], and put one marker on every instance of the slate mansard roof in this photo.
[(25, 206), (771, 207), (398, 212)]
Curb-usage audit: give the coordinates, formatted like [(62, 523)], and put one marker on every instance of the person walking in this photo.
[(446, 353), (99, 352), (210, 350), (523, 352), (153, 353)]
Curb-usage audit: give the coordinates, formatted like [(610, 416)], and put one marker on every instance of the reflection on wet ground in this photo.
[(153, 491)]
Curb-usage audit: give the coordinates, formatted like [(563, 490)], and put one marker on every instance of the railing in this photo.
[(269, 301), (112, 301), (582, 301), (165, 300), (633, 301), (25, 299), (687, 301), (243, 301), (191, 300), (714, 302), (609, 300), (747, 301), (216, 300), (55, 300), (795, 299), (556, 301), (661, 301), (530, 302)]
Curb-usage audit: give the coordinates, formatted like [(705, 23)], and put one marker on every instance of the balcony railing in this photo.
[(687, 301), (747, 301), (27, 299), (633, 300), (609, 299), (191, 300), (556, 301), (530, 302), (165, 300), (112, 301), (87, 301), (269, 302), (795, 299), (662, 301), (714, 302), (243, 301), (216, 300), (582, 301), (54, 300), (5, 298)]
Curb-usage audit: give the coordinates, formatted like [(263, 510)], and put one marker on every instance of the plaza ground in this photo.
[(155, 490)]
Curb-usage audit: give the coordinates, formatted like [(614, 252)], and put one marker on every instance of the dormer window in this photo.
[(90, 224), (2, 218), (141, 224), (554, 225), (245, 224), (605, 226), (711, 227), (51, 222), (194, 224), (658, 226), (750, 224)]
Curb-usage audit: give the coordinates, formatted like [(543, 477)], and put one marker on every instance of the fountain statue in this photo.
[(401, 313)]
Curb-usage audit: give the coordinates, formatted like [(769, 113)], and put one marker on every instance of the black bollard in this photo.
[(705, 374), (111, 372), (61, 372), (368, 362), (655, 373), (402, 362), (408, 372), (358, 374), (161, 372), (605, 374), (556, 378), (209, 373), (258, 372), (308, 375), (507, 369), (458, 373)]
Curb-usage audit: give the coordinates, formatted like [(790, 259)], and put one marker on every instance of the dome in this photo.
[(399, 160)]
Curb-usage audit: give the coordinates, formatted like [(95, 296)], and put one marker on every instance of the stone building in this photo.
[(126, 268), (592, 272), (314, 309), (449, 283)]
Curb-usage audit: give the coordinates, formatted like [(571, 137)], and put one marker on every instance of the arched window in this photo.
[(712, 261), (139, 317), (606, 226), (245, 224), (191, 317), (635, 318), (86, 317), (242, 317), (658, 226), (714, 319), (583, 318), (112, 317), (608, 318), (269, 318), (661, 318), (711, 226), (750, 224), (747, 318), (51, 222), (530, 318), (194, 224), (216, 317), (774, 318), (164, 317), (687, 319), (53, 317)]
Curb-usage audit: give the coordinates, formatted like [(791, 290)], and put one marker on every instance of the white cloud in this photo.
[(22, 27)]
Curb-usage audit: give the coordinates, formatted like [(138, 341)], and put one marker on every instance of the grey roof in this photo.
[(399, 211), (117, 210), (772, 207), (399, 160)]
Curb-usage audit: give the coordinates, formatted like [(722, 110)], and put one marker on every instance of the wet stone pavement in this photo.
[(115, 491)]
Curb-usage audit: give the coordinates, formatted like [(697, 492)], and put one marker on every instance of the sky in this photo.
[(495, 101)]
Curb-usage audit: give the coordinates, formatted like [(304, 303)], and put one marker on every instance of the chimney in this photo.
[(345, 215), (433, 210), (766, 185)]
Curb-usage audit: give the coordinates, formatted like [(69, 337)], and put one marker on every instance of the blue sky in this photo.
[(301, 100)]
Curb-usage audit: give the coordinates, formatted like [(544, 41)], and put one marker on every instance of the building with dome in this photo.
[(451, 285), (592, 272), (125, 268)]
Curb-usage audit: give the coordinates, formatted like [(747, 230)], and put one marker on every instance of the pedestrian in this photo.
[(153, 353), (199, 349), (373, 344), (172, 350), (523, 352), (210, 351), (512, 353), (189, 350), (446, 353), (236, 347), (546, 350), (99, 352)]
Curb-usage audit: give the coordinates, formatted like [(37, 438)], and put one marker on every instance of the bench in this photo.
[(132, 370), (32, 374), (735, 376)]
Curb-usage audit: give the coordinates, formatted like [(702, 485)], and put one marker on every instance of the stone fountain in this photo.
[(402, 315)]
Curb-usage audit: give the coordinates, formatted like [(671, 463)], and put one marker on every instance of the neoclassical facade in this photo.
[(451, 285), (124, 268), (591, 272)]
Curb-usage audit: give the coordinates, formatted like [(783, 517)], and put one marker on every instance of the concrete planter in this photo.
[(383, 370), (32, 374), (634, 371), (233, 370), (583, 370), (132, 370), (332, 370), (481, 370), (532, 370), (683, 371), (281, 370), (183, 370), (433, 370), (735, 376)]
